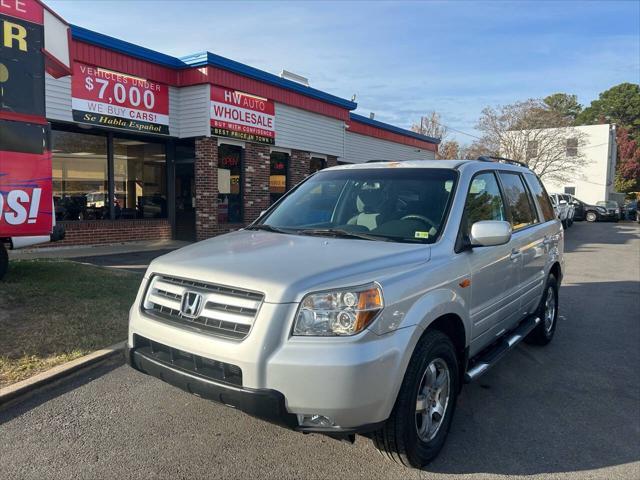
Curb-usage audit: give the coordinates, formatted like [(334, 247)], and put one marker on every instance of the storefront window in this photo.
[(80, 179), (229, 184), (278, 175), (316, 164), (140, 175)]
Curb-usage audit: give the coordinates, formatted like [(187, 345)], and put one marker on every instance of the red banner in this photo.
[(29, 10), (242, 116), (107, 98), (25, 194)]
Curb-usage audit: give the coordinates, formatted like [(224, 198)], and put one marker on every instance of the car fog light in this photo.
[(315, 420)]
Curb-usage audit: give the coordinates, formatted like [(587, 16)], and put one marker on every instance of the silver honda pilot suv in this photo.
[(361, 301)]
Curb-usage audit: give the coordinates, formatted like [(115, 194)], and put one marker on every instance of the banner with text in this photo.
[(112, 99), (21, 60), (25, 194), (242, 116)]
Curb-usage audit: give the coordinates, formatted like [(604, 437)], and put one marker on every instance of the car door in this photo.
[(494, 272), (528, 241)]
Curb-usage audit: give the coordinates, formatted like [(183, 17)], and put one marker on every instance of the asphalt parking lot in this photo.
[(569, 410)]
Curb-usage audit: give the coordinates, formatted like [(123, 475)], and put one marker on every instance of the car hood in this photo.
[(285, 267)]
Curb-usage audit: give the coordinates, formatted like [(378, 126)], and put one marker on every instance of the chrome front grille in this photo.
[(224, 311)]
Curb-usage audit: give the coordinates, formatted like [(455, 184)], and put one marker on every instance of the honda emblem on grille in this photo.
[(191, 304)]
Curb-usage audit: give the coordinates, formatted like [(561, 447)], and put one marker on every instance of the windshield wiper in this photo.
[(266, 228), (337, 232)]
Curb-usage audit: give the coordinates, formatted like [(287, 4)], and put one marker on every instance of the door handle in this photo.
[(515, 254)]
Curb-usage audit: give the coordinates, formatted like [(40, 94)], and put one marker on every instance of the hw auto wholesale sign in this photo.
[(25, 159), (240, 115), (112, 99)]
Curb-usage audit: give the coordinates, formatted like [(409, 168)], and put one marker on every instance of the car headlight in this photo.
[(338, 312), (602, 210)]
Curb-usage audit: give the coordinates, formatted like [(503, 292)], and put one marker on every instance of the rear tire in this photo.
[(4, 260), (591, 217), (416, 430), (548, 313)]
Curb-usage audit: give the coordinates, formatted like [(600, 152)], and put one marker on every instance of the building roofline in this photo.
[(392, 128), (203, 59), (211, 59), (99, 39)]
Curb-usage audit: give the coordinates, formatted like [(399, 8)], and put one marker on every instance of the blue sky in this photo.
[(402, 59)]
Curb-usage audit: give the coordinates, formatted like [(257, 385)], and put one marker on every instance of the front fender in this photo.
[(423, 311)]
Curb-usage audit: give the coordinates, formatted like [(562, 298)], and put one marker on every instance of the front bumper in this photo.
[(351, 380), (266, 404)]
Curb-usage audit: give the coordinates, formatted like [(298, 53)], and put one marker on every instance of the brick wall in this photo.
[(255, 183), (117, 231), (206, 180), (255, 160), (256, 180), (299, 169)]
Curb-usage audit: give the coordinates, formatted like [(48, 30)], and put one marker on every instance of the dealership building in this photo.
[(149, 146)]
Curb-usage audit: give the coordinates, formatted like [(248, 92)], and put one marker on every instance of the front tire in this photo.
[(418, 426), (591, 217), (548, 314), (4, 261)]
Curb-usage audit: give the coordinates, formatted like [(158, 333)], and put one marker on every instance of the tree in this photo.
[(530, 132), (476, 149), (619, 105), (564, 105), (449, 150), (628, 169), (431, 126)]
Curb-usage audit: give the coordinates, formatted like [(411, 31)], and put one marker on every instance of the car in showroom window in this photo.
[(402, 205)]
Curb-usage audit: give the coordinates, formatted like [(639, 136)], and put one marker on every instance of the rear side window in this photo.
[(518, 201), (484, 201), (541, 196)]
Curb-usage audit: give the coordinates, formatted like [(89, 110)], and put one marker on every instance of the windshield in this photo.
[(401, 204), (609, 204)]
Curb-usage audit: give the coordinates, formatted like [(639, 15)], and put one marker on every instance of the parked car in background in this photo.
[(591, 213), (630, 210), (360, 301), (572, 208), (612, 207), (561, 208)]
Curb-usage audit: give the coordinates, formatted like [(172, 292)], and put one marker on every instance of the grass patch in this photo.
[(52, 311)]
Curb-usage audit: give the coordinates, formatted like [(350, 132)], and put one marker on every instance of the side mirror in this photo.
[(488, 233)]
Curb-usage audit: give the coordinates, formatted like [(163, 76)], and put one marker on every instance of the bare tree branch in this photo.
[(431, 126)]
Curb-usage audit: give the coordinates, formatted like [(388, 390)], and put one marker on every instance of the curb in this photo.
[(12, 392)]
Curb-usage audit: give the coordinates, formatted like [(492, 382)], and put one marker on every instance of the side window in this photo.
[(484, 201), (541, 196), (518, 201)]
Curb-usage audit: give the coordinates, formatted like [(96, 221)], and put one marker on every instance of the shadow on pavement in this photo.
[(612, 233), (131, 261), (43, 394), (573, 405)]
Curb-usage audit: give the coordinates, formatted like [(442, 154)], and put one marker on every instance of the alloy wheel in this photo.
[(549, 310), (433, 399)]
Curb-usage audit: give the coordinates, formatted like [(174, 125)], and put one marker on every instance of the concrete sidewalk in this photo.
[(85, 251)]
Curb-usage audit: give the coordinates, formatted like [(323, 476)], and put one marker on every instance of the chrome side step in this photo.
[(488, 359)]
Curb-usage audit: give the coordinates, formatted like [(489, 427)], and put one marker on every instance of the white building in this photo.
[(597, 145), (596, 180)]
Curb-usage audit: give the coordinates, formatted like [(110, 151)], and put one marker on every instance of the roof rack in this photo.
[(489, 158)]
